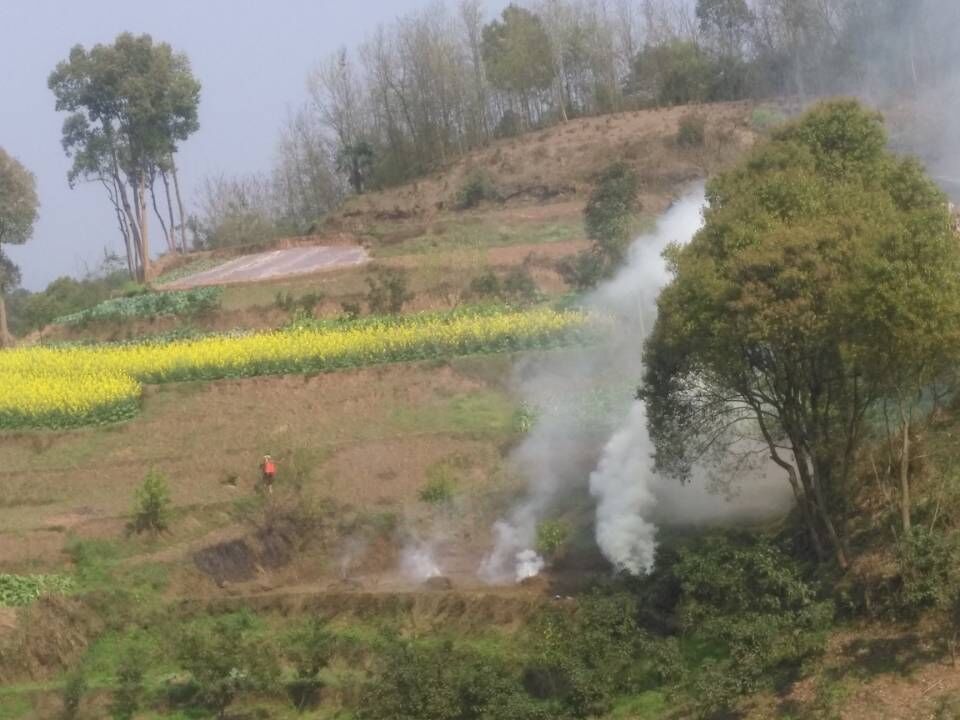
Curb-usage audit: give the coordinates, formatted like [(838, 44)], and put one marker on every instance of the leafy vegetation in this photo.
[(477, 187), (19, 590), (388, 290), (181, 303), (151, 509), (804, 325), (225, 657), (609, 217), (692, 132)]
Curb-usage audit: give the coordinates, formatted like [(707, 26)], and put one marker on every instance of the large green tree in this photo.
[(131, 104), (824, 285), (518, 56), (18, 213)]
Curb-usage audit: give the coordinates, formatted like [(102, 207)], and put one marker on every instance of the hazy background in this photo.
[(252, 58)]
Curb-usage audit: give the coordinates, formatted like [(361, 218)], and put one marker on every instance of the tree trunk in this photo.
[(835, 539), (163, 225), (905, 476), (183, 219), (144, 238), (6, 339), (132, 223), (173, 224)]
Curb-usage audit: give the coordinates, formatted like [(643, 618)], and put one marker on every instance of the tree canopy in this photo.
[(18, 214), (825, 281), (131, 104)]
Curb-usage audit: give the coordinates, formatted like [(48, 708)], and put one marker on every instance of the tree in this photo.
[(609, 219), (355, 160), (131, 104), (518, 56), (18, 214), (225, 659), (826, 276), (151, 510)]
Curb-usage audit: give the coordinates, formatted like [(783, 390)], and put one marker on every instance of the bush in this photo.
[(225, 658), (309, 650), (584, 270), (767, 118), (477, 187), (609, 218), (517, 287), (423, 682), (585, 660), (485, 286), (72, 694), (388, 291), (128, 692), (692, 132), (551, 537), (747, 607), (926, 560), (440, 486), (151, 509)]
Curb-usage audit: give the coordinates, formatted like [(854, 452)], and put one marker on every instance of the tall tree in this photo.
[(825, 280), (18, 213), (131, 104), (519, 57)]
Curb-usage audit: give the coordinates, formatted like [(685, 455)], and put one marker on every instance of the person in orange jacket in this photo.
[(268, 471)]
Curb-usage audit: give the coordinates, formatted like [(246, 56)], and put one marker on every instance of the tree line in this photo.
[(439, 82), (432, 85)]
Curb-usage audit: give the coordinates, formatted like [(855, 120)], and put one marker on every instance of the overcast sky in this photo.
[(252, 57)]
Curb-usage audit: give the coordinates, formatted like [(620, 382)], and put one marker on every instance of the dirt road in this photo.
[(274, 265)]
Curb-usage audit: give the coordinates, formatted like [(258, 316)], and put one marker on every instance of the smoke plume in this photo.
[(584, 399)]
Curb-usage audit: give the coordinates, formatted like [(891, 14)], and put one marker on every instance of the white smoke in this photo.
[(529, 564), (417, 562), (559, 453), (623, 489)]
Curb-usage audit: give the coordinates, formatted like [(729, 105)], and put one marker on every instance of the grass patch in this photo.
[(484, 234), (484, 412), (646, 706)]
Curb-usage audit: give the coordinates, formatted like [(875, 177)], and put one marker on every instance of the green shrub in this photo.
[(388, 291), (750, 612), (692, 132), (19, 590), (485, 286), (926, 560), (416, 681), (151, 508), (309, 650), (145, 304), (552, 535), (439, 488), (519, 286), (767, 118), (610, 221), (477, 187), (128, 688), (585, 660), (226, 658), (74, 688), (584, 270)]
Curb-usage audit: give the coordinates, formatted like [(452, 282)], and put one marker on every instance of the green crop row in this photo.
[(19, 590), (180, 302)]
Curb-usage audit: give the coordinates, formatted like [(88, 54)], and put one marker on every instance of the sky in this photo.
[(251, 56)]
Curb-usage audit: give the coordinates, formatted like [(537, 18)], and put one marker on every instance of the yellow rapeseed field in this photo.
[(60, 387)]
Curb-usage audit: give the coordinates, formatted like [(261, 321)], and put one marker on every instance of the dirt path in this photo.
[(273, 265)]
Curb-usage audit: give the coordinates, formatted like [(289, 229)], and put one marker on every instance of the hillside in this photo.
[(393, 466)]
